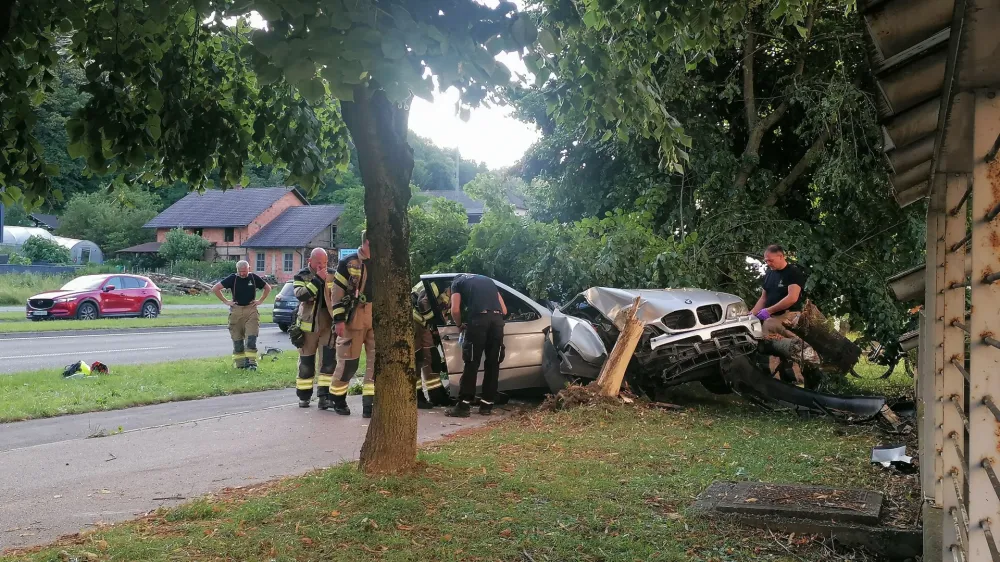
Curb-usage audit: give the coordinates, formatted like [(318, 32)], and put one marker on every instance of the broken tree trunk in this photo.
[(837, 352), (609, 383)]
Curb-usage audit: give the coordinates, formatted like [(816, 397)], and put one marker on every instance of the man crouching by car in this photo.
[(483, 335)]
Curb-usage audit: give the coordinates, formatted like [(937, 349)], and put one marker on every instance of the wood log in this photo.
[(837, 352), (609, 382)]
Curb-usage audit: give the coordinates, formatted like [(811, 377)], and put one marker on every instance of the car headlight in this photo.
[(736, 310), (65, 299)]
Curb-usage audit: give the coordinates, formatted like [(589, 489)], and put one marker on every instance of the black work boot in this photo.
[(460, 410), (324, 403), (422, 403), (340, 405), (485, 408), (367, 402), (440, 397), (303, 403)]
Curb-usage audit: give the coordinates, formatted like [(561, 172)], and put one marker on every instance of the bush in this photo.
[(42, 250), (439, 230), (181, 246), (202, 270)]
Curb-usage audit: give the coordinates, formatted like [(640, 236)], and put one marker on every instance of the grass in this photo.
[(607, 484), (16, 288), (166, 320), (45, 393)]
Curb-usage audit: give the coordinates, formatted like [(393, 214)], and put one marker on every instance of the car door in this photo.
[(524, 338), (113, 297), (133, 294)]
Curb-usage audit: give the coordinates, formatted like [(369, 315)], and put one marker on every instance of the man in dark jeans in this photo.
[(485, 311)]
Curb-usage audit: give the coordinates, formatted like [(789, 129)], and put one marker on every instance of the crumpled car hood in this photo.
[(654, 303)]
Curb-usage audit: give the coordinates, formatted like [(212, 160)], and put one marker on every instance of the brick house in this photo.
[(273, 228)]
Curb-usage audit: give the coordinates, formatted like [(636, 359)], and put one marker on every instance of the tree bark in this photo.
[(379, 130), (818, 146), (835, 350), (609, 382)]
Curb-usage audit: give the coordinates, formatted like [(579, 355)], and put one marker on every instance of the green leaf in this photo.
[(313, 91), (524, 31), (342, 92), (203, 7), (51, 170), (590, 18), (136, 156), (465, 114), (393, 47), (607, 135), (802, 31), (548, 41), (300, 70), (622, 134), (266, 159), (267, 10), (268, 74), (78, 150), (75, 128), (154, 99)]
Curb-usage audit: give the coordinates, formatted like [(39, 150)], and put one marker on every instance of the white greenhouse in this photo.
[(80, 251)]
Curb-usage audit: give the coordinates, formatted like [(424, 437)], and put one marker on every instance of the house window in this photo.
[(260, 261), (230, 234), (288, 262)]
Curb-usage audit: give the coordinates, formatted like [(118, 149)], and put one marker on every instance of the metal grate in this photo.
[(679, 320), (710, 314)]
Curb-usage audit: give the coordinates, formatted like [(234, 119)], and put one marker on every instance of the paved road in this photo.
[(56, 481), (27, 352), (219, 306)]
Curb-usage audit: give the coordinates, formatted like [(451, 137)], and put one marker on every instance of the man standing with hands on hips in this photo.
[(244, 318), (483, 337)]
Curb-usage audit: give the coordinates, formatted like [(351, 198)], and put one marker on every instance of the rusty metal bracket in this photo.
[(992, 214), (957, 208), (958, 245), (960, 326), (991, 341), (988, 402), (958, 451), (992, 278), (990, 541), (961, 369), (961, 412), (959, 284)]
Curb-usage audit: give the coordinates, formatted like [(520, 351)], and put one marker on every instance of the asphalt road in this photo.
[(56, 480), (28, 352)]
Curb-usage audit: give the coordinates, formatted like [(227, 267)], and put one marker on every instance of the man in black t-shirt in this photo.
[(781, 295), (244, 318), (485, 311)]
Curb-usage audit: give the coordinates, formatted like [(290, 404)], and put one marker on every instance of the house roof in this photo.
[(147, 248), (49, 221), (296, 227), (216, 208)]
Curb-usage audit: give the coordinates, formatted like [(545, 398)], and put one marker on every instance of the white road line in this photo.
[(85, 351), (113, 334)]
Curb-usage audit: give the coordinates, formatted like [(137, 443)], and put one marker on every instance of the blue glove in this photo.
[(763, 314)]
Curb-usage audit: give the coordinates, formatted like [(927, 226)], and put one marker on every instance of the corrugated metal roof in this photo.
[(216, 208), (296, 227), (50, 221)]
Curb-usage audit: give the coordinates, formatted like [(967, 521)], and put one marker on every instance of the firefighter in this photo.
[(313, 331), (351, 309), (482, 337), (425, 336), (244, 318)]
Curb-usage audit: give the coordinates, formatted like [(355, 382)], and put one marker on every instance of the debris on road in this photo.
[(893, 456), (180, 285)]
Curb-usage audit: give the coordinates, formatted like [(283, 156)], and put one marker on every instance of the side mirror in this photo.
[(108, 288)]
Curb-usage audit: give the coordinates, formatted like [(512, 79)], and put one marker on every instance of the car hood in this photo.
[(654, 304), (58, 294)]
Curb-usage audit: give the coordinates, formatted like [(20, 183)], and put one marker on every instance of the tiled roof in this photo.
[(147, 248), (296, 227), (51, 221), (216, 208)]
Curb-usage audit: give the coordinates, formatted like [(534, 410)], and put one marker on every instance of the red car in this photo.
[(94, 296)]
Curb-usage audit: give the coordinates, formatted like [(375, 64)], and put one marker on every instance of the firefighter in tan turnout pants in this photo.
[(244, 318), (424, 332), (352, 317), (313, 331)]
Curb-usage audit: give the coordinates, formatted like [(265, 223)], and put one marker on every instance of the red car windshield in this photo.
[(88, 283)]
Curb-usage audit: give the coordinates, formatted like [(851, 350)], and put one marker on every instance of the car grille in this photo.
[(42, 304), (285, 304), (709, 314), (679, 320)]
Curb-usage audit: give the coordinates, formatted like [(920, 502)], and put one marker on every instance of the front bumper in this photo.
[(748, 323), (59, 310), (282, 315)]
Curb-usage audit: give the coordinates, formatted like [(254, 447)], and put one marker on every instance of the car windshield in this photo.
[(288, 290), (87, 283)]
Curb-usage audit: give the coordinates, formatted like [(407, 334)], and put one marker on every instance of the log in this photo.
[(837, 352), (609, 382)]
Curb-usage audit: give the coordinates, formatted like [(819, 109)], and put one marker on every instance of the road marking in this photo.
[(87, 351), (223, 329)]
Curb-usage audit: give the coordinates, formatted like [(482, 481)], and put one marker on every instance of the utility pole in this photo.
[(458, 167)]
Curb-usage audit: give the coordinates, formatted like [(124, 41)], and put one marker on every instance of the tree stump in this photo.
[(609, 382), (837, 352)]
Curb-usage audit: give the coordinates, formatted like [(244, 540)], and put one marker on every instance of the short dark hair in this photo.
[(774, 249)]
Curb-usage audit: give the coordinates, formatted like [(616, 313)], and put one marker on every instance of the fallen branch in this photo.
[(612, 374)]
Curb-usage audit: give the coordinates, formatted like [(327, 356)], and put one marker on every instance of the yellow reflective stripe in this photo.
[(303, 384), (434, 383), (368, 389), (306, 326), (298, 283), (420, 384), (354, 271), (338, 388), (428, 315), (416, 316), (324, 380), (339, 311), (251, 355), (340, 279)]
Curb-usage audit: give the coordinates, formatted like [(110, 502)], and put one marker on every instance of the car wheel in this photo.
[(150, 310), (283, 327), (87, 311)]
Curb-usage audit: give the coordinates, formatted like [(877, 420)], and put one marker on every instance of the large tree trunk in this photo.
[(379, 130), (838, 352)]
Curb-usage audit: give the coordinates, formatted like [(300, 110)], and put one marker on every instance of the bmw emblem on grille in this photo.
[(688, 301)]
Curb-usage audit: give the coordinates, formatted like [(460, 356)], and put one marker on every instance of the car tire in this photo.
[(150, 310), (87, 311), (283, 327)]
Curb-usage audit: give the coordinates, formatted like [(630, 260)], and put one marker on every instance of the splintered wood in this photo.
[(612, 374)]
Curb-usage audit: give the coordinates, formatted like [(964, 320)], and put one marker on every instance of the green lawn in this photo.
[(197, 299), (45, 393), (590, 484), (177, 319)]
